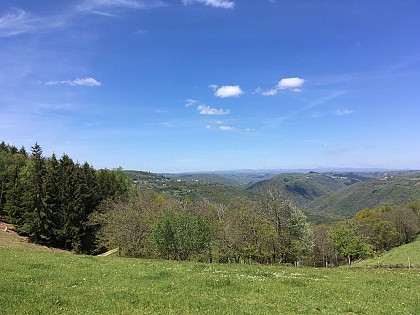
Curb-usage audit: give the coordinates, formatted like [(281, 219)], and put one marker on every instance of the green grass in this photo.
[(402, 256), (36, 282)]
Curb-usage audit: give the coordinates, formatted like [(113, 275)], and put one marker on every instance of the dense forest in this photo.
[(61, 203), (50, 200)]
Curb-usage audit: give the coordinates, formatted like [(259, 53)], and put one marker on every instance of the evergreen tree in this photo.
[(52, 202), (34, 213), (88, 201), (13, 205), (67, 236)]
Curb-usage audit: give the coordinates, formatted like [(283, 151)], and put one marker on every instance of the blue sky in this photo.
[(193, 85)]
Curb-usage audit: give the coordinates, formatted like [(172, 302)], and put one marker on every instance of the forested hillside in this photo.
[(392, 190), (303, 188), (216, 188)]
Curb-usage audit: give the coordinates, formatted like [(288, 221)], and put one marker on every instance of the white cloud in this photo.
[(229, 91), (77, 82), (224, 4), (226, 128), (207, 127), (97, 6), (292, 84), (207, 110), (343, 112)]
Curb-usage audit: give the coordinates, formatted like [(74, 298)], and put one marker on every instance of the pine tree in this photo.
[(67, 195), (51, 201), (34, 214)]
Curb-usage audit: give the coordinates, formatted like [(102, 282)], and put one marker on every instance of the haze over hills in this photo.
[(244, 177)]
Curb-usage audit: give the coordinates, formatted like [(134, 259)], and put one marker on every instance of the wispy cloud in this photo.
[(103, 6), (77, 82), (17, 22), (292, 84), (207, 110), (226, 128), (310, 105), (223, 4), (190, 102), (227, 90), (342, 112)]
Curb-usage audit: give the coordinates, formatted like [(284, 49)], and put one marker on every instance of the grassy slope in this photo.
[(40, 282), (11, 240), (399, 256)]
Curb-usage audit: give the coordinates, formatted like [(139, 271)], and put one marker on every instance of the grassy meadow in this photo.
[(403, 256), (49, 282)]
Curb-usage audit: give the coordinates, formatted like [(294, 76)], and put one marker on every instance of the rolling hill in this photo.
[(304, 188), (324, 196), (392, 190)]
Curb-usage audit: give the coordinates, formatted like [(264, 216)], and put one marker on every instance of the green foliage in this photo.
[(293, 238), (50, 200), (244, 233), (381, 234), (405, 221), (179, 235), (126, 224), (348, 243)]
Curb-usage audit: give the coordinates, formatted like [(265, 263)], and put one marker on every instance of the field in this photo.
[(49, 282)]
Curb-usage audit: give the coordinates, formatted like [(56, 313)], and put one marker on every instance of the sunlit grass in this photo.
[(403, 256), (53, 283)]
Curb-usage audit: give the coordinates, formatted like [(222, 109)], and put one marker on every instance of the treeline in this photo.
[(370, 232), (50, 200), (147, 224)]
